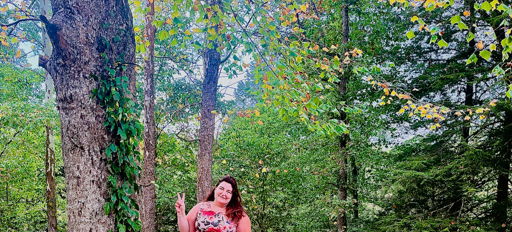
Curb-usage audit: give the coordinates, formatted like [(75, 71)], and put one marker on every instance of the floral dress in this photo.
[(208, 220)]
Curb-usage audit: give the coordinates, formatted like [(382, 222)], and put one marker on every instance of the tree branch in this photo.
[(19, 21)]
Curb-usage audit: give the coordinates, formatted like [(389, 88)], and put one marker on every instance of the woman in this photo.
[(221, 212)]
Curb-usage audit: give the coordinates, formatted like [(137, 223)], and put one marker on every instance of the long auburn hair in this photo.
[(234, 210)]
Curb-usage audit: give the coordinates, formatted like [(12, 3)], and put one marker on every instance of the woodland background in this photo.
[(333, 115)]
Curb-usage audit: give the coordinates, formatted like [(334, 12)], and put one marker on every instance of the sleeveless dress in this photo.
[(208, 220)]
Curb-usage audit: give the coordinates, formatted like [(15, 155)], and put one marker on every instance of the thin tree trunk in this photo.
[(502, 199), (207, 121), (148, 198), (355, 192), (51, 201), (80, 32), (342, 223)]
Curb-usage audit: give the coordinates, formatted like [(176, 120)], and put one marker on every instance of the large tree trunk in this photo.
[(207, 121), (80, 31), (51, 201), (342, 223), (148, 196)]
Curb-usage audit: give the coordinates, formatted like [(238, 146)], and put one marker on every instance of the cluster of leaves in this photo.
[(122, 122), (23, 117)]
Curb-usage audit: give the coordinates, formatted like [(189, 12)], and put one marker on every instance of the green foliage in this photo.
[(122, 154), (284, 171), (22, 152)]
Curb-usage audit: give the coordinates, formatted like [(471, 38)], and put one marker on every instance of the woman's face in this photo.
[(223, 193)]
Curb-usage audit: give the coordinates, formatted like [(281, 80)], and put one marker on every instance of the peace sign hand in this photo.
[(180, 205)]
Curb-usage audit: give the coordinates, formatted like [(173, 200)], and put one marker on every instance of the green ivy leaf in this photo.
[(121, 227)]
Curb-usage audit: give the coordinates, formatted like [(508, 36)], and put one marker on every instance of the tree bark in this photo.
[(207, 120), (502, 199), (80, 32), (51, 200), (342, 223), (148, 190), (355, 192)]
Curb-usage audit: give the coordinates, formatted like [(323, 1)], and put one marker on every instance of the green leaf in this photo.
[(455, 19), (410, 34), (472, 59), (486, 54), (107, 207), (121, 228), (470, 37), (441, 43), (462, 26), (486, 6), (162, 35)]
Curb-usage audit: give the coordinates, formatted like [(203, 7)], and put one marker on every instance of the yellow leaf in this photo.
[(493, 103), (260, 122), (458, 113), (14, 40), (257, 175), (413, 106), (196, 30), (264, 170), (382, 103), (4, 28), (5, 43), (257, 113), (386, 91), (168, 21), (224, 162), (482, 117), (325, 49), (251, 25), (136, 29), (392, 2), (414, 18), (260, 162), (467, 118), (466, 13), (175, 14), (401, 111), (304, 7), (4, 9), (479, 110), (18, 54), (393, 93), (187, 32)]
